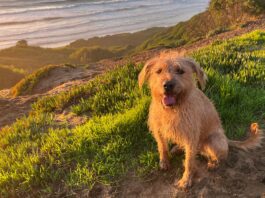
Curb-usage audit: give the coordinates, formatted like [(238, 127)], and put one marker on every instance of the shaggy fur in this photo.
[(182, 114)]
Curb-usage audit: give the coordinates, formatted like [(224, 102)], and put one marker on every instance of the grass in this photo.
[(95, 152), (252, 6), (110, 93), (237, 79), (40, 157)]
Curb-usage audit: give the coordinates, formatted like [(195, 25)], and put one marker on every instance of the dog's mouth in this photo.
[(169, 100)]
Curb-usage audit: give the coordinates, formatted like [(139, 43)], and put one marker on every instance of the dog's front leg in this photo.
[(189, 165), (163, 151)]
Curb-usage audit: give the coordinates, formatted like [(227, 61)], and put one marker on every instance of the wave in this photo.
[(57, 27), (33, 8), (29, 22), (23, 21), (74, 24), (82, 28), (27, 17)]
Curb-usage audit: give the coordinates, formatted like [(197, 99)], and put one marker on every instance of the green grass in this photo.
[(237, 79), (39, 156), (27, 84), (252, 6), (95, 152), (115, 91)]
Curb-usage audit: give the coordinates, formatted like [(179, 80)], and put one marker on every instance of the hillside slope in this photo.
[(221, 16), (118, 40), (109, 151), (31, 58)]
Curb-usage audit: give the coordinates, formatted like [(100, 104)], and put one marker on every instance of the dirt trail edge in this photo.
[(242, 176), (60, 80)]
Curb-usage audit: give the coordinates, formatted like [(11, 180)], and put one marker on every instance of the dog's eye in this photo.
[(179, 71), (158, 71)]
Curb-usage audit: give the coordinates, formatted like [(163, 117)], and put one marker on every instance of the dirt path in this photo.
[(61, 79), (13, 108), (241, 176)]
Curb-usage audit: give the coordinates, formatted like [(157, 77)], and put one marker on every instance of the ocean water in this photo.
[(54, 23)]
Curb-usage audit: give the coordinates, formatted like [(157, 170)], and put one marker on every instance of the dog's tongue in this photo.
[(169, 100)]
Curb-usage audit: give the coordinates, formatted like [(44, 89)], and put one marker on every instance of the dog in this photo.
[(182, 114)]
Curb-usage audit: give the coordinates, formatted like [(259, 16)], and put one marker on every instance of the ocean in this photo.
[(55, 23)]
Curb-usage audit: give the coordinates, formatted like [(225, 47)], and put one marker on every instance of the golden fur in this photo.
[(190, 120)]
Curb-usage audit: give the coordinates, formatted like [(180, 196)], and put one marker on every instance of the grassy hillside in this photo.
[(41, 156), (118, 40), (249, 6), (221, 16), (31, 58)]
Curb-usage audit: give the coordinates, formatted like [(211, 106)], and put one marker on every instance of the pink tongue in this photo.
[(169, 100)]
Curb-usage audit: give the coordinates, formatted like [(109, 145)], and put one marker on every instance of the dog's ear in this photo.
[(145, 73), (202, 77)]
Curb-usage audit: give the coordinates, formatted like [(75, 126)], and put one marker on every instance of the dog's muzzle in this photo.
[(169, 99), (168, 86)]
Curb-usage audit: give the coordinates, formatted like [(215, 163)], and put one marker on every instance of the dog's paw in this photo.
[(164, 165), (184, 183)]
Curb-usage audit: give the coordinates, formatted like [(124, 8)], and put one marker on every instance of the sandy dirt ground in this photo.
[(60, 79), (241, 176)]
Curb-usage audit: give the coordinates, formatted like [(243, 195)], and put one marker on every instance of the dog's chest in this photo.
[(174, 125), (171, 127)]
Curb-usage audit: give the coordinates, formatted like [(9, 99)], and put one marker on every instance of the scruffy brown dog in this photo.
[(182, 114)]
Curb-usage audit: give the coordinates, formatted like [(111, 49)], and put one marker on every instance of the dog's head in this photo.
[(171, 78)]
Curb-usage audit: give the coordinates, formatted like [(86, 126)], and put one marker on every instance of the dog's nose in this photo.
[(168, 86)]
